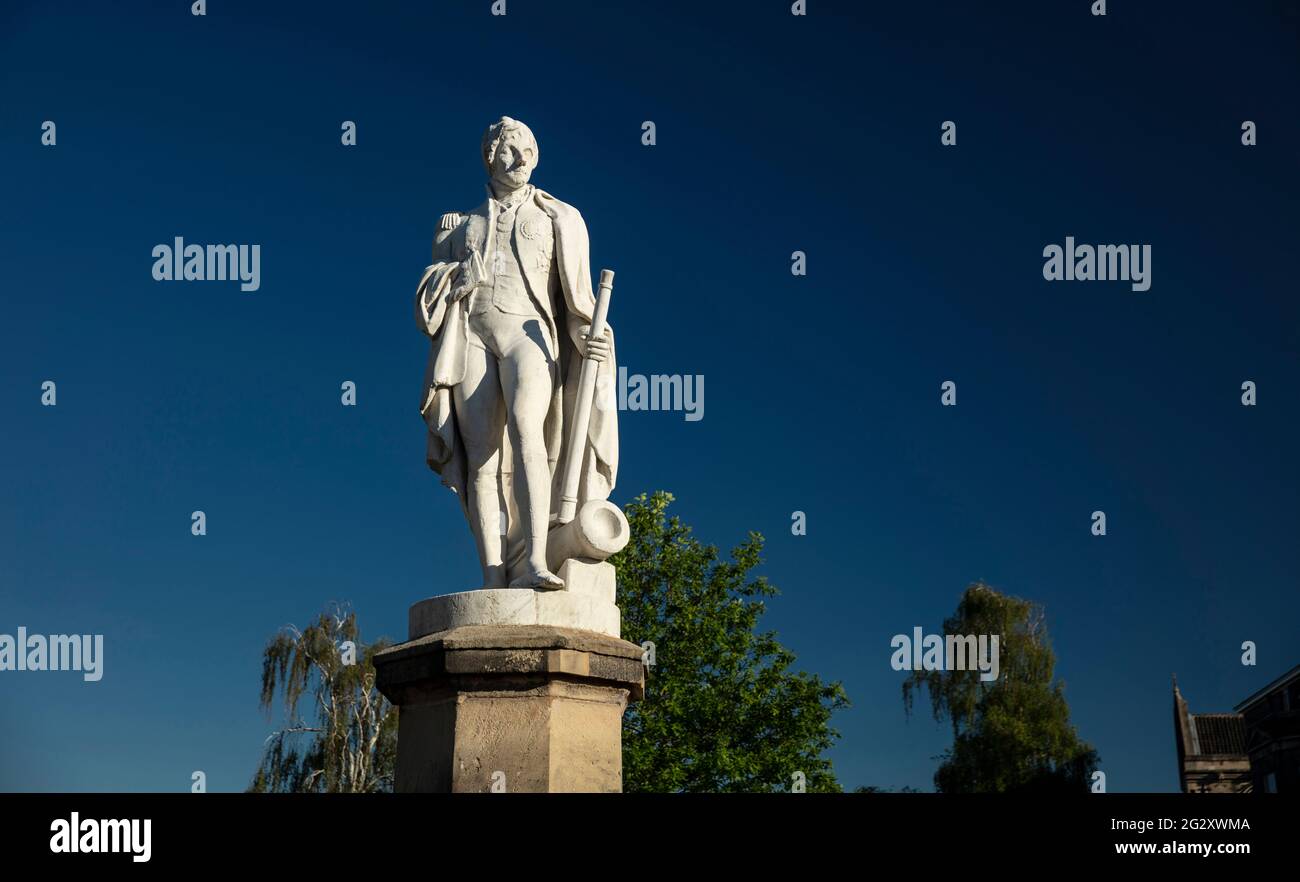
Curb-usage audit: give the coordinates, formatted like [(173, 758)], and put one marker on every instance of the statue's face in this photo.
[(513, 162)]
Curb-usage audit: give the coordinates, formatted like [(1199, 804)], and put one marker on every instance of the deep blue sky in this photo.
[(775, 133)]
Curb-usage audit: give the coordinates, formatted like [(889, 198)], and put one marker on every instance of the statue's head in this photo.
[(509, 152)]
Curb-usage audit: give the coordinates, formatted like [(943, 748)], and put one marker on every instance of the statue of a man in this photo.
[(507, 304)]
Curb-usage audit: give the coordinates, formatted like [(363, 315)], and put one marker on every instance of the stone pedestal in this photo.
[(585, 604), (528, 708)]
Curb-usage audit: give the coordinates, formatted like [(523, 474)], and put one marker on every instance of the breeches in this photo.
[(501, 333)]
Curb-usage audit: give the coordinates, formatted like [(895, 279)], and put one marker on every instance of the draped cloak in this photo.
[(442, 313)]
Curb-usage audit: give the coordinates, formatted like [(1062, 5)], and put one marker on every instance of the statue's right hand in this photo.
[(450, 221)]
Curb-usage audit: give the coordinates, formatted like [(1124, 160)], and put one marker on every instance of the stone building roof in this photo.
[(1207, 735), (1280, 683), (1220, 734)]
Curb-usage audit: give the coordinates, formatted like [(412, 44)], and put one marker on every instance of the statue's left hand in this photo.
[(596, 350)]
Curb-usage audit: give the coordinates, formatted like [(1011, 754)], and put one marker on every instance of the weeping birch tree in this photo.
[(339, 733), (1012, 734)]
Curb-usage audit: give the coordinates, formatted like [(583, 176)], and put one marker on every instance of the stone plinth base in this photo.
[(585, 604), (527, 708)]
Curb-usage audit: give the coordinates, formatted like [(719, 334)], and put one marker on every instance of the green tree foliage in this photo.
[(872, 788), (1014, 733), (723, 711), (351, 745)]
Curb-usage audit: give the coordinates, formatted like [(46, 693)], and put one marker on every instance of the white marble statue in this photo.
[(508, 305)]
